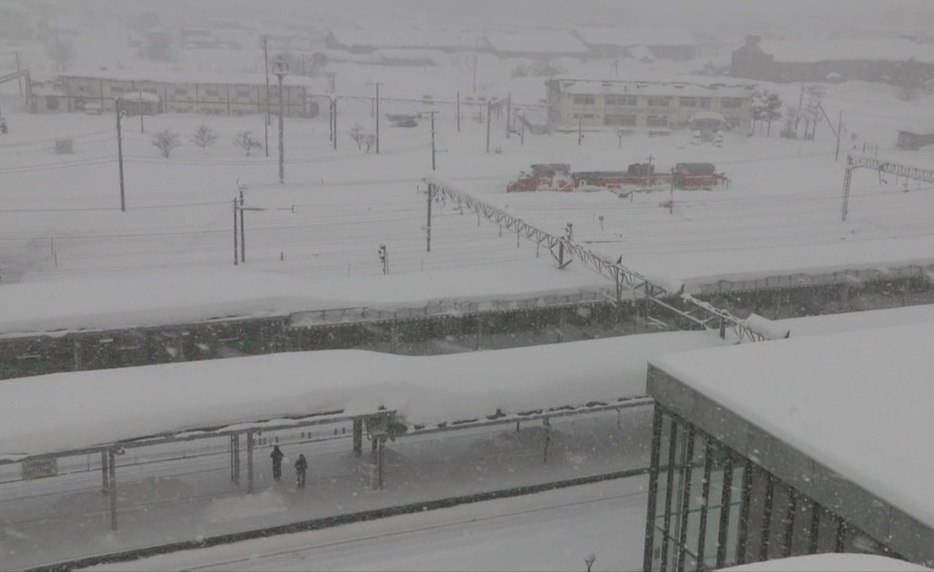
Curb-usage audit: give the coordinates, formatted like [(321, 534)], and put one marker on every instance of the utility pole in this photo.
[(836, 156), (141, 129), (377, 115), (281, 70), (236, 255), (334, 103), (458, 112), (19, 68), (489, 107), (475, 73), (120, 154), (433, 151), (428, 225), (508, 113), (580, 128), (266, 61), (242, 231)]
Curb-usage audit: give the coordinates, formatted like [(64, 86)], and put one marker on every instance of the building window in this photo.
[(703, 102), (243, 94), (212, 92), (583, 116), (687, 102), (629, 100), (115, 89), (658, 101), (151, 90), (622, 120), (656, 121), (181, 92), (731, 102), (584, 99), (83, 88), (51, 102)]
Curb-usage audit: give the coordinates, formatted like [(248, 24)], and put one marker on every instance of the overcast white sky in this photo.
[(752, 15)]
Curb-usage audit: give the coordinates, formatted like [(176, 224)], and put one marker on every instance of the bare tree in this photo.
[(204, 137), (166, 140), (369, 141), (247, 142), (356, 133)]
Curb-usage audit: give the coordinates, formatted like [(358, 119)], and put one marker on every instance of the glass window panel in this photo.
[(712, 533), (657, 548), (779, 522), (827, 532), (736, 496), (801, 531), (755, 526), (855, 541)]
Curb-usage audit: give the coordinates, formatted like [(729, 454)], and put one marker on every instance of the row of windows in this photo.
[(711, 508), (632, 100)]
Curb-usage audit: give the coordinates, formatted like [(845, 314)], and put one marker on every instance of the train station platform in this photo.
[(182, 493)]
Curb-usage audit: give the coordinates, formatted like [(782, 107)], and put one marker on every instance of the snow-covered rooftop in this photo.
[(156, 298), (809, 51), (672, 86), (69, 411), (376, 38), (540, 43), (858, 402), (626, 37)]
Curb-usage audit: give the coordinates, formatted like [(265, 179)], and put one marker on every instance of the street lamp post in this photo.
[(281, 70)]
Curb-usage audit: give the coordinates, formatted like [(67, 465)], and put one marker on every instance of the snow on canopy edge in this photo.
[(829, 563), (68, 411)]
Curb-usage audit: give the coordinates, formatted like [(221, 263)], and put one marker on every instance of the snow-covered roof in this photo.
[(858, 402), (850, 321), (412, 54), (70, 411), (809, 51), (626, 37), (539, 43), (695, 87), (186, 77), (158, 298), (376, 38)]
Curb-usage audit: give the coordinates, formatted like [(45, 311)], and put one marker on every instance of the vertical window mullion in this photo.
[(744, 513), (671, 483), (702, 532), (725, 498), (653, 489), (841, 533), (686, 498), (815, 528)]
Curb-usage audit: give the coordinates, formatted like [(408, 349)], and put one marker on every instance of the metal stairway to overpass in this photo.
[(627, 280)]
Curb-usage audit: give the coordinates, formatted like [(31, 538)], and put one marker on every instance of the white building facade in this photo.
[(645, 105)]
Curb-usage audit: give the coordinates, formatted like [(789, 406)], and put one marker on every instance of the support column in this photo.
[(357, 437), (249, 462), (235, 459), (105, 477), (113, 489), (547, 425), (479, 331)]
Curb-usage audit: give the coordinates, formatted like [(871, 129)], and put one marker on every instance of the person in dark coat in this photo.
[(301, 465), (276, 462)]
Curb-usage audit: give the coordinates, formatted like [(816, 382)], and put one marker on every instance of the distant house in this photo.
[(541, 45), (912, 139), (896, 62), (612, 43)]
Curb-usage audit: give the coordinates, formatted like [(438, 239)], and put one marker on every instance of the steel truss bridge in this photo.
[(854, 161), (688, 307)]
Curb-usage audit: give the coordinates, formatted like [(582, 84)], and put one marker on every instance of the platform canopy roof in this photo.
[(82, 410)]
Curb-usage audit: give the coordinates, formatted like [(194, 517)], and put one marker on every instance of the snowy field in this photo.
[(60, 214)]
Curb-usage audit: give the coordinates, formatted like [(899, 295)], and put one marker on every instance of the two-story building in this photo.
[(181, 92), (649, 105)]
